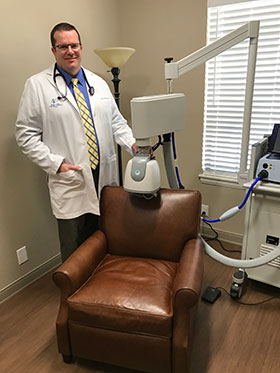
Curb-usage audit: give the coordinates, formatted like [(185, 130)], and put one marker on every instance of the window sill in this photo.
[(220, 180)]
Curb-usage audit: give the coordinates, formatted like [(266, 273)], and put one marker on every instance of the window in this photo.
[(226, 80)]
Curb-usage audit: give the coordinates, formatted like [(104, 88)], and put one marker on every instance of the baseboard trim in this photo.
[(33, 275), (225, 236)]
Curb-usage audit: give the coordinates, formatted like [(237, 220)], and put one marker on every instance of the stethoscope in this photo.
[(57, 73)]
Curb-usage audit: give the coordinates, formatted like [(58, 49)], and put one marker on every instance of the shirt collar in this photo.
[(68, 77)]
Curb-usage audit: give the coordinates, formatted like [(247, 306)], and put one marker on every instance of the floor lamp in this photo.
[(115, 58)]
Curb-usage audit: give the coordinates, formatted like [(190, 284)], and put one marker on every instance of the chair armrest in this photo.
[(70, 276), (187, 283), (186, 293), (80, 265)]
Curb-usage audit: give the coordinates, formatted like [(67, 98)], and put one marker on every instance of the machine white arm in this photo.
[(151, 114), (174, 70)]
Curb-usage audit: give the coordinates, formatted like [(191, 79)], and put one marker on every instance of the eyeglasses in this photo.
[(64, 47)]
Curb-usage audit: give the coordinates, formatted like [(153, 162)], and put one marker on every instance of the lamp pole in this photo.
[(116, 81)]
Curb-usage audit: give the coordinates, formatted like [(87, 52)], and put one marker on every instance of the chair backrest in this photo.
[(154, 228)]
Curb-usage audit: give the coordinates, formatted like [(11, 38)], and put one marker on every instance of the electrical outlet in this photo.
[(204, 210), (22, 255)]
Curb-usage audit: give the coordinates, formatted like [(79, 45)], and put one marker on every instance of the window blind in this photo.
[(225, 82)]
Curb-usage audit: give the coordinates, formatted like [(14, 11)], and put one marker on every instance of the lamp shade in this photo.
[(114, 57)]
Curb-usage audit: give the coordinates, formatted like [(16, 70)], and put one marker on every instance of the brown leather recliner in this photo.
[(129, 292)]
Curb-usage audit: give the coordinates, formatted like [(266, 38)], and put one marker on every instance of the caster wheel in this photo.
[(239, 281), (236, 291)]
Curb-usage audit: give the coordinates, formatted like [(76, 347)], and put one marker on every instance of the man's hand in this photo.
[(134, 148), (64, 167)]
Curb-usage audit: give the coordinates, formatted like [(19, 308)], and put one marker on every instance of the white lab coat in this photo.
[(49, 131)]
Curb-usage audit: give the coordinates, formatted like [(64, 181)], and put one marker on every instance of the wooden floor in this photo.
[(230, 337)]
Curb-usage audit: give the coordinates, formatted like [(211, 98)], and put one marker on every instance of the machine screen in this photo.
[(274, 145), (276, 148)]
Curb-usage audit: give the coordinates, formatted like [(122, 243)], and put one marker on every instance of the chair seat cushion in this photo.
[(127, 294)]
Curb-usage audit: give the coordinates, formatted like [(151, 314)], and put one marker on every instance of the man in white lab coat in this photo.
[(50, 131)]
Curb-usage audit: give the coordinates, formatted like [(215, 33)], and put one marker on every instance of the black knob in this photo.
[(168, 59)]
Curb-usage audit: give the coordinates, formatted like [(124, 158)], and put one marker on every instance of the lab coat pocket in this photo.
[(68, 184)]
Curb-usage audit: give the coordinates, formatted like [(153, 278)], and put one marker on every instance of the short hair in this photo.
[(63, 26)]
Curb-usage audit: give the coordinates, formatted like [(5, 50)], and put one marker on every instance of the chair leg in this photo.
[(67, 359)]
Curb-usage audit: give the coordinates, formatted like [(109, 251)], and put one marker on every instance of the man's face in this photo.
[(67, 57)]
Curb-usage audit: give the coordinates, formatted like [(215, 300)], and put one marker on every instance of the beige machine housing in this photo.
[(262, 231)]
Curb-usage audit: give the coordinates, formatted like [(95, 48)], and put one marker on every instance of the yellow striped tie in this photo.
[(88, 125)]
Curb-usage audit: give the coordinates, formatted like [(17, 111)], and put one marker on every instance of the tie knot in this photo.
[(74, 81)]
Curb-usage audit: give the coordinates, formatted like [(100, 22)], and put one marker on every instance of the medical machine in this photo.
[(271, 161), (262, 216), (164, 114), (174, 70), (142, 174)]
